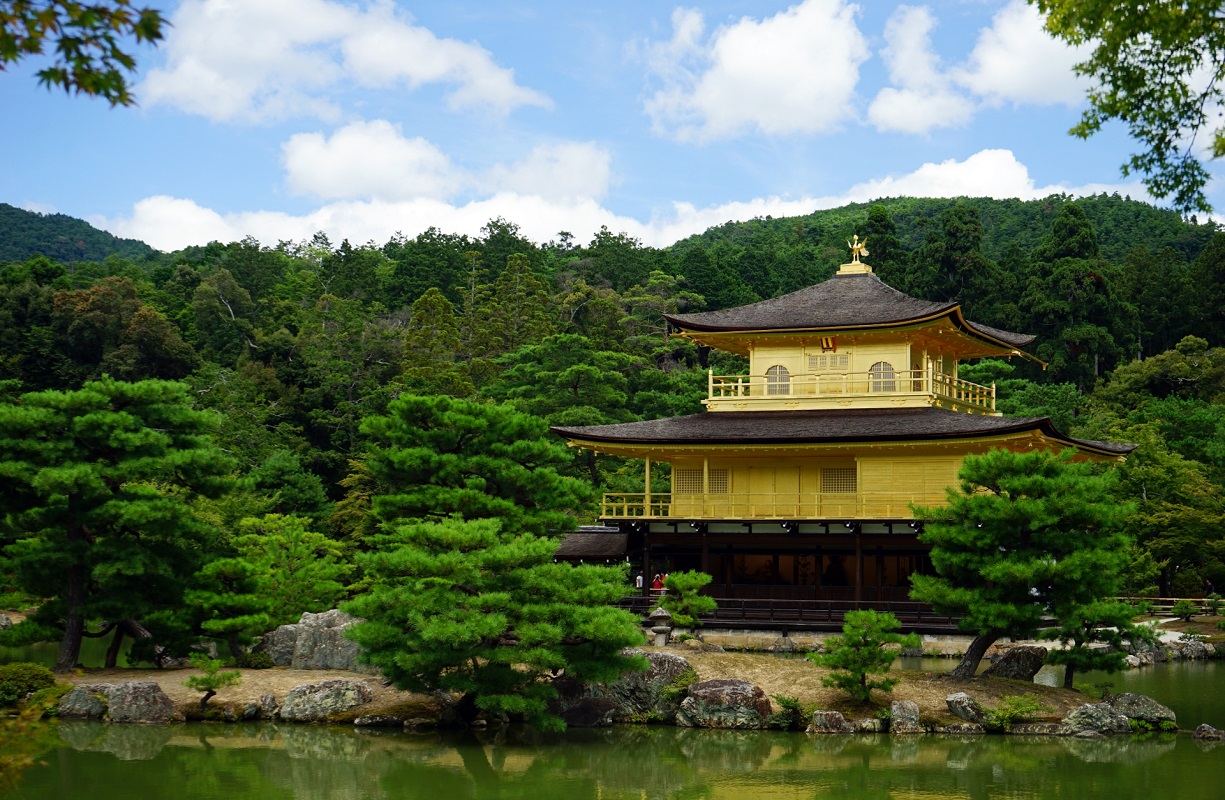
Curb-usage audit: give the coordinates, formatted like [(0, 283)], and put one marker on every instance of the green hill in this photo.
[(60, 237)]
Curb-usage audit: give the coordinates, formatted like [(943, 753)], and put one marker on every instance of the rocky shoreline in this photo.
[(317, 679)]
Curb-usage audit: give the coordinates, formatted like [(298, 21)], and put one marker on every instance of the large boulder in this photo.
[(1097, 717), (5, 622), (139, 701), (320, 702), (85, 701), (636, 696), (130, 701), (1137, 706), (279, 644), (904, 717), (321, 642), (1018, 663), (724, 703), (966, 708), (829, 722)]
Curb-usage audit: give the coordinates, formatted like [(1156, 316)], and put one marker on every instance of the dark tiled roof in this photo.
[(584, 544), (843, 301), (826, 426)]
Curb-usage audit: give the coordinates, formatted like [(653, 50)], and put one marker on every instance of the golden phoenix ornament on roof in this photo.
[(858, 249)]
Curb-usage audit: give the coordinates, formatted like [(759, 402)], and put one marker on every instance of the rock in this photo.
[(964, 707), (1193, 650), (279, 645), (692, 644), (964, 728), (1089, 735), (1096, 717), (378, 721), (1018, 663), (1137, 706), (1208, 732), (5, 622), (139, 701), (1132, 662), (321, 643), (870, 725), (265, 707), (86, 701), (641, 695), (1039, 729), (829, 722), (904, 717), (319, 702), (724, 703), (580, 708)]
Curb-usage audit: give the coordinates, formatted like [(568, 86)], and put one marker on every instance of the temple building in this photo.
[(797, 481)]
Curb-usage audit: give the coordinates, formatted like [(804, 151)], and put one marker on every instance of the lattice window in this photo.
[(778, 380), (834, 362), (881, 376), (689, 481), (838, 480)]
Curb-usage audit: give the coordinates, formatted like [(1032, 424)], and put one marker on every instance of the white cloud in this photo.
[(1017, 61), (368, 159), (922, 97), (792, 73), (562, 171), (170, 223), (258, 60), (374, 160)]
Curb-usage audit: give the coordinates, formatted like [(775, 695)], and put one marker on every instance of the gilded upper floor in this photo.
[(850, 342)]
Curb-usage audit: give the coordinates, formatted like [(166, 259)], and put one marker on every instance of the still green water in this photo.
[(235, 762)]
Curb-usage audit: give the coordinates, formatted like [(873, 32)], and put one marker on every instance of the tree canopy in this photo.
[(1023, 536)]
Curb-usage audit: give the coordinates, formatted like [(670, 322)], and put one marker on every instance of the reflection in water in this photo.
[(211, 762)]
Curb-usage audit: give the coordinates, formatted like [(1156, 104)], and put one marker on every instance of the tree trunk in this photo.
[(208, 695), (1068, 671), (974, 654), (235, 648), (112, 652), (74, 619), (466, 708)]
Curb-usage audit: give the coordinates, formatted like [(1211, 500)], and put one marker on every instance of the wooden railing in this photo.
[(806, 614), (766, 505), (842, 386)]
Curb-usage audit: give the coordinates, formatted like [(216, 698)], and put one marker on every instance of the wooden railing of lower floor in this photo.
[(814, 615), (767, 505)]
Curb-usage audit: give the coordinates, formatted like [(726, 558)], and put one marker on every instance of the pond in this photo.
[(235, 762)]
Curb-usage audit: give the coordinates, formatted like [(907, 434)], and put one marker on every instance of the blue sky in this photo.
[(279, 118)]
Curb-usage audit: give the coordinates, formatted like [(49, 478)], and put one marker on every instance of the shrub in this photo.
[(213, 680), (1013, 709), (20, 679), (863, 649), (1214, 603), (260, 660), (1184, 609), (676, 690), (684, 600), (791, 716)]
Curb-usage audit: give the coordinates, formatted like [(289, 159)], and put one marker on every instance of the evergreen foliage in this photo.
[(95, 517), (1024, 535), (478, 608), (867, 647), (684, 599)]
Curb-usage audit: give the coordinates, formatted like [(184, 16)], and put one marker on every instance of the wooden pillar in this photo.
[(705, 485), (705, 554), (646, 490), (858, 566), (647, 575)]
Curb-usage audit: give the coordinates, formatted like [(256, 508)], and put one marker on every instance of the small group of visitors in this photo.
[(657, 585)]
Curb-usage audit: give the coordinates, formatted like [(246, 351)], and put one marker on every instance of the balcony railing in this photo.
[(762, 505), (835, 387)]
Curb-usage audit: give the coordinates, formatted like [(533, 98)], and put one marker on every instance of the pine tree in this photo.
[(1026, 533), (96, 488)]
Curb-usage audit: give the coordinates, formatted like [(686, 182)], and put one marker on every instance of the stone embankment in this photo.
[(669, 692)]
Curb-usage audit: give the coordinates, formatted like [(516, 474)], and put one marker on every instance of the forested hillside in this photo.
[(296, 345), (25, 233)]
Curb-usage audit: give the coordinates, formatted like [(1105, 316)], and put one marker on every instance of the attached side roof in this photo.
[(845, 301), (828, 427)]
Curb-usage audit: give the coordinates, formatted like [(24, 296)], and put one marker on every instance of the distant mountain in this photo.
[(60, 237)]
